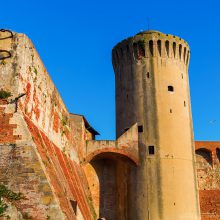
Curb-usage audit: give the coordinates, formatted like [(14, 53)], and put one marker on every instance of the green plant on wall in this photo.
[(35, 70), (4, 94), (64, 120), (3, 62), (9, 195), (26, 216), (141, 45)]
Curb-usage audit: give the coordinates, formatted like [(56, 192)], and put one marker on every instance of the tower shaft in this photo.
[(152, 89)]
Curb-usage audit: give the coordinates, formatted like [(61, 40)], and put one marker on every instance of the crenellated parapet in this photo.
[(151, 44)]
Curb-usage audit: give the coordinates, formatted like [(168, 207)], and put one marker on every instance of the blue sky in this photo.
[(75, 39)]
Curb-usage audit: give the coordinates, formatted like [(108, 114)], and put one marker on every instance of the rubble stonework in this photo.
[(50, 156)]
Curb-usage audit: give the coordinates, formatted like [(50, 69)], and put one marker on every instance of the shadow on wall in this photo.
[(113, 185), (206, 155)]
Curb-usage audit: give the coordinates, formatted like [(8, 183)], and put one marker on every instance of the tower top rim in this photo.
[(153, 35), (150, 32)]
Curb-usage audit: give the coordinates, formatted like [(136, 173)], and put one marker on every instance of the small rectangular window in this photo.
[(140, 128), (151, 150), (170, 88)]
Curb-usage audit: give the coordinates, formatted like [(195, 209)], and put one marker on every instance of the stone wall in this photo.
[(208, 175), (38, 142)]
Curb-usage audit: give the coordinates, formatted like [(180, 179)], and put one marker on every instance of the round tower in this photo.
[(152, 89)]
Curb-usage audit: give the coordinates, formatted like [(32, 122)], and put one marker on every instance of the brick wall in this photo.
[(208, 175)]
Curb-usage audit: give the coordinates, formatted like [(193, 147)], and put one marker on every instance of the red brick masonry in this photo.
[(208, 173), (66, 177)]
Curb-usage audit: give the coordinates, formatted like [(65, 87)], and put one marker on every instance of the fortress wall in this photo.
[(208, 173), (24, 73), (42, 103), (21, 170), (38, 125)]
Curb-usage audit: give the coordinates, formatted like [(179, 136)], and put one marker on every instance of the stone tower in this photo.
[(152, 89)]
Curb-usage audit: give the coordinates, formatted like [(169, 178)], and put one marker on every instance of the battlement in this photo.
[(152, 44)]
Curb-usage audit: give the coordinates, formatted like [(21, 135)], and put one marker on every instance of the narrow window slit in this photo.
[(151, 47), (167, 48), (180, 51), (174, 49), (159, 47), (141, 48), (121, 52), (184, 55), (127, 48)]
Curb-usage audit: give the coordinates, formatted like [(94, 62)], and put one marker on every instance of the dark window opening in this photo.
[(167, 48), (174, 49), (148, 75), (170, 88), (159, 47), (184, 55), (121, 52), (141, 48), (151, 47), (171, 111), (116, 52), (127, 48), (74, 205), (151, 150), (218, 153), (182, 75), (140, 128), (184, 103), (180, 51)]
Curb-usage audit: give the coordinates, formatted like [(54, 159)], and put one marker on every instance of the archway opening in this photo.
[(112, 184)]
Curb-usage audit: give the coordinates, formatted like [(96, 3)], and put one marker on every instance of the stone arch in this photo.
[(111, 152), (206, 155), (218, 153)]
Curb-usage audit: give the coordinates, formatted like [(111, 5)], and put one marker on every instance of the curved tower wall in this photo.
[(152, 89)]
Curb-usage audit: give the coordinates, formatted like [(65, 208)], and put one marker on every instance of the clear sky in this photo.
[(75, 39)]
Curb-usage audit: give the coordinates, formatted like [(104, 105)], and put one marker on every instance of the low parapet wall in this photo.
[(126, 145)]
